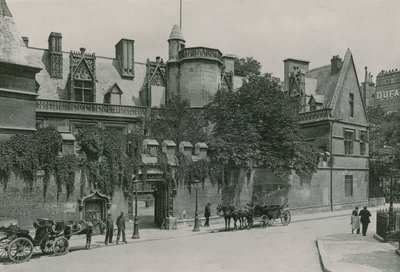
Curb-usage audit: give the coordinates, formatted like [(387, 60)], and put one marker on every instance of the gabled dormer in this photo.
[(82, 77), (113, 95)]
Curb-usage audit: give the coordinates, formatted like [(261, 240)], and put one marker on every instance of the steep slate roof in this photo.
[(327, 86), (107, 75), (12, 47)]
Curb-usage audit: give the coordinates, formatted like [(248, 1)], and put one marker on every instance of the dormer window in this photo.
[(83, 91)]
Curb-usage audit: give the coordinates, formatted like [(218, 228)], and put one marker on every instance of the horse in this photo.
[(81, 227), (228, 212)]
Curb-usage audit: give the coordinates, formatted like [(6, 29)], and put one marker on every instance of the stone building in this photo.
[(72, 90), (388, 90), (332, 114)]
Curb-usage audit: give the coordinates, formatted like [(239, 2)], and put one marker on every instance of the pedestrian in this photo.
[(355, 221), (121, 228), (365, 215), (207, 214), (109, 229)]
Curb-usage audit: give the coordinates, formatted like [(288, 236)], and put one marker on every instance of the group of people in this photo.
[(109, 228), (360, 216)]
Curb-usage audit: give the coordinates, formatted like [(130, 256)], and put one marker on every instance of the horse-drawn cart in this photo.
[(267, 214), (17, 245)]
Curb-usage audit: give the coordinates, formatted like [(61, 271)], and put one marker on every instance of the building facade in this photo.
[(388, 90), (332, 115), (73, 90)]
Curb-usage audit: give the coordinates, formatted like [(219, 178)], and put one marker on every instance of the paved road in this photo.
[(290, 248)]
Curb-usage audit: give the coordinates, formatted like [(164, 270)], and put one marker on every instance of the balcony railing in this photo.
[(314, 115), (200, 52), (64, 106)]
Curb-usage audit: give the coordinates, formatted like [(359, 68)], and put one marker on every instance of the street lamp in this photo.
[(135, 234), (196, 215)]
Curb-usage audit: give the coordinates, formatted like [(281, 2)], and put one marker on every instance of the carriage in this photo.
[(18, 245), (266, 215)]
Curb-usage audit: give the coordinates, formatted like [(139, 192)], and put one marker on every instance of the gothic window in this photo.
[(363, 142), (348, 141), (83, 91), (348, 185)]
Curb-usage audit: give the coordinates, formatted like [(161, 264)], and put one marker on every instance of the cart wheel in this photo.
[(4, 242), (60, 246), (285, 218), (20, 250), (264, 220), (48, 247)]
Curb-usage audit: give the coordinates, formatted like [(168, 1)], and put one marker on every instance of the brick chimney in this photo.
[(336, 64)]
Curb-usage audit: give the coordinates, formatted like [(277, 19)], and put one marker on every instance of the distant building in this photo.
[(369, 90), (388, 90), (332, 115)]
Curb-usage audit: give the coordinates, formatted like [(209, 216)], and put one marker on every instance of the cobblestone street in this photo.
[(278, 248)]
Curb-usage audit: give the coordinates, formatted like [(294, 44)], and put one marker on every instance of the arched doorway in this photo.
[(94, 206)]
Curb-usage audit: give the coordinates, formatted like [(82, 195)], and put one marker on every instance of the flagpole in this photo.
[(180, 14)]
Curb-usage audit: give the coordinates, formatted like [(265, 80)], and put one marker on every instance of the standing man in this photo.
[(121, 227), (109, 229), (207, 214), (365, 215)]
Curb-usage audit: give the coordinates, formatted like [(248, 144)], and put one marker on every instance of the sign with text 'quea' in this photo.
[(387, 94)]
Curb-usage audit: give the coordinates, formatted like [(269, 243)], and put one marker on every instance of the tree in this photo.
[(178, 122), (384, 150), (255, 125), (247, 66)]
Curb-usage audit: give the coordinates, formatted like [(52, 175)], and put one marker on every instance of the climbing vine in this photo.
[(65, 169)]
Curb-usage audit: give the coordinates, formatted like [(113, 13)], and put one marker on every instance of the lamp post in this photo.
[(135, 234), (196, 214)]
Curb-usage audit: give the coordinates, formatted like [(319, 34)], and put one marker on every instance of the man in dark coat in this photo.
[(365, 215), (121, 227), (109, 229), (207, 214)]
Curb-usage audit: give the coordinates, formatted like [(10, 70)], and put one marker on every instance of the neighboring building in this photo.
[(332, 114), (388, 90)]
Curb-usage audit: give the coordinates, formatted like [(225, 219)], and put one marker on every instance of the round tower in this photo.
[(176, 42)]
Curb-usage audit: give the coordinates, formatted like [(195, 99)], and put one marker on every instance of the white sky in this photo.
[(267, 30)]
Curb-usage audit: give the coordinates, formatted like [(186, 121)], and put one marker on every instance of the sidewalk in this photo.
[(352, 252), (216, 225)]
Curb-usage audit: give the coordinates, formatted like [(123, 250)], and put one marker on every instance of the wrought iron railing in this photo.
[(88, 108), (200, 52), (388, 224), (314, 115)]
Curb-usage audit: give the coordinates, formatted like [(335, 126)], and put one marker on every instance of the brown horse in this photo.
[(81, 227), (228, 212)]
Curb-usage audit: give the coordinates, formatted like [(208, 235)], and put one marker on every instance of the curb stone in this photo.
[(323, 256)]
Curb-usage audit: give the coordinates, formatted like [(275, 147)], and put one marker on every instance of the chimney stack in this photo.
[(336, 64), (55, 55), (124, 53)]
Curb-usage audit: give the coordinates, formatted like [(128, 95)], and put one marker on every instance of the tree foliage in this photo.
[(384, 148), (256, 126), (247, 66), (177, 122)]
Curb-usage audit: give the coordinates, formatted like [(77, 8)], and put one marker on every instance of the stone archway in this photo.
[(94, 206)]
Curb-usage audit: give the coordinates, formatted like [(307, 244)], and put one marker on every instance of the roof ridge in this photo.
[(342, 74), (318, 68)]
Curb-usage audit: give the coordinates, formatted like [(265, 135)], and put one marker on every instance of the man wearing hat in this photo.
[(121, 227), (109, 229), (365, 215), (207, 214)]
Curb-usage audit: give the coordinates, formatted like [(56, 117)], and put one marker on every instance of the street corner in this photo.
[(354, 252)]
